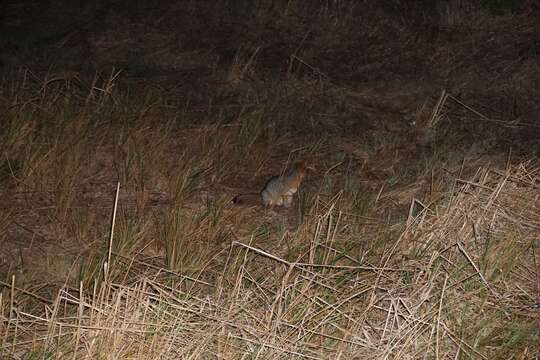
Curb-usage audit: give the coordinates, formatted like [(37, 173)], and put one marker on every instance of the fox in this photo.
[(278, 190)]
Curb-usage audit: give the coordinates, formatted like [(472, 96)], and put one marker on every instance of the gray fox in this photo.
[(279, 190)]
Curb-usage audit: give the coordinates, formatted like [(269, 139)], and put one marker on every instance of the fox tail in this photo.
[(247, 199)]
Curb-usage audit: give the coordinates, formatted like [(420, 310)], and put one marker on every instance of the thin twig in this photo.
[(113, 221)]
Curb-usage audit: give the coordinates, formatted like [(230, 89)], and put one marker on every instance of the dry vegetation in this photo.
[(416, 237)]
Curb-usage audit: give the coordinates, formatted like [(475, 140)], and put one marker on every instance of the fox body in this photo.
[(279, 190)]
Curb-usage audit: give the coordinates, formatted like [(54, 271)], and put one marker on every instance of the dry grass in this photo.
[(416, 237), (192, 277), (456, 282)]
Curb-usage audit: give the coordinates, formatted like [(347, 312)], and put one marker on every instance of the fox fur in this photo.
[(279, 190)]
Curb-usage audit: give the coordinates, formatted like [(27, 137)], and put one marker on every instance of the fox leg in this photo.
[(287, 200)]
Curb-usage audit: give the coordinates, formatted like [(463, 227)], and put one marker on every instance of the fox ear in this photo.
[(301, 165)]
